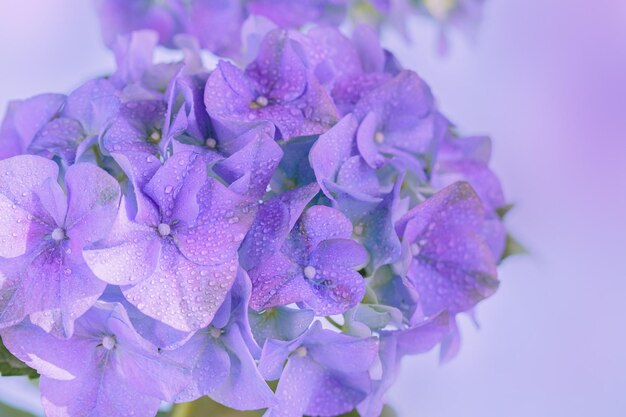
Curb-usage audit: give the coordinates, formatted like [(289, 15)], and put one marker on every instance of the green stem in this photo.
[(334, 323)]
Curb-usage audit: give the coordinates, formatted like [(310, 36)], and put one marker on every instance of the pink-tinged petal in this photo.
[(336, 285), (93, 200), (277, 281), (23, 220), (452, 267), (129, 254), (222, 223), (181, 293), (332, 149)]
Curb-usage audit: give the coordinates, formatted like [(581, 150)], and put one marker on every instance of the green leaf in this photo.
[(205, 406), (12, 366), (513, 247), (7, 411), (388, 412), (504, 210)]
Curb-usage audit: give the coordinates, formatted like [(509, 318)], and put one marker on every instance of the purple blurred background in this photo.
[(547, 79)]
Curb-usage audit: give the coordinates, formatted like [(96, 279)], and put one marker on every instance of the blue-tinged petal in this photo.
[(279, 323), (332, 149)]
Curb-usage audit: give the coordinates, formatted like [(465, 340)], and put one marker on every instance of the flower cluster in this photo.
[(221, 26), (169, 232)]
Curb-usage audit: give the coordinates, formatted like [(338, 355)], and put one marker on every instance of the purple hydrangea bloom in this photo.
[(87, 111), (373, 219), (315, 264), (449, 262), (181, 233), (227, 19), (105, 369), (224, 17), (393, 346), (278, 87), (467, 159), (120, 17), (286, 13), (398, 119), (326, 373), (43, 274), (245, 156), (24, 119), (222, 356), (348, 68), (177, 262)]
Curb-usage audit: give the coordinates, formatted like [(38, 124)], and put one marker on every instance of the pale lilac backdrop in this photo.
[(547, 79)]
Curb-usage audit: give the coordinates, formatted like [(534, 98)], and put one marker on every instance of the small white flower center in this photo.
[(58, 234), (301, 352), (155, 136), (164, 229), (379, 137), (215, 332), (309, 272), (109, 342), (358, 229), (262, 101), (415, 249), (210, 143)]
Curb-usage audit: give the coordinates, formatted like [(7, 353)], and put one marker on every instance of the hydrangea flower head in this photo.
[(43, 272), (302, 213)]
